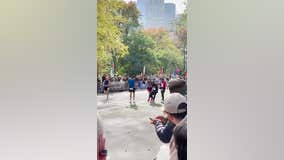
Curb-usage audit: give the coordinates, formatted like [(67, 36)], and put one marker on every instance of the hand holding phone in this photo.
[(153, 121), (161, 118)]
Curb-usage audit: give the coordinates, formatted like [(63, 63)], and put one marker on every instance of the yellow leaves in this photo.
[(109, 34), (109, 42)]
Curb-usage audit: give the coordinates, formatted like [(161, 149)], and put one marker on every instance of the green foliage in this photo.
[(131, 15), (167, 54), (140, 49), (181, 29), (130, 25), (108, 33), (120, 39)]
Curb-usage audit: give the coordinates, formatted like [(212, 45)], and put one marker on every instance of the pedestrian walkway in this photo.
[(128, 132)]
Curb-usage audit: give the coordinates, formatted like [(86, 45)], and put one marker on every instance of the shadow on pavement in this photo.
[(132, 106), (105, 100), (155, 104)]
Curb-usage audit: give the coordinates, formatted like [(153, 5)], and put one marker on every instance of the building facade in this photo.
[(170, 15), (156, 14)]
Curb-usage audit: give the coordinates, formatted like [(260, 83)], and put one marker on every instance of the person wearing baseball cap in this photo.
[(164, 128), (175, 108)]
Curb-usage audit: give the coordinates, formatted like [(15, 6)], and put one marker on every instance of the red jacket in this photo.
[(164, 84)]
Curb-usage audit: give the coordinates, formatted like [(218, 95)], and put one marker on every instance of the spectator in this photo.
[(164, 131), (180, 139), (178, 85), (175, 108)]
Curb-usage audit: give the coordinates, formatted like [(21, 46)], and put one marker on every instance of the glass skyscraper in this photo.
[(156, 13)]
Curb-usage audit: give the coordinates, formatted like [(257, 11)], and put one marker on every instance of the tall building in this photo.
[(152, 13), (156, 13), (170, 14)]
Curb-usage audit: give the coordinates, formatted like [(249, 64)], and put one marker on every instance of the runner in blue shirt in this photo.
[(106, 84), (131, 86)]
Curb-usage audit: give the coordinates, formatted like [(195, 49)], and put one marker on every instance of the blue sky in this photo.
[(179, 4)]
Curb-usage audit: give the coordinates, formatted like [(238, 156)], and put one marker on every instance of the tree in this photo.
[(140, 48), (109, 42), (181, 29), (130, 12), (168, 56), (181, 34), (130, 25)]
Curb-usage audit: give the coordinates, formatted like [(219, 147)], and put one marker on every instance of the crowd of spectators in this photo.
[(140, 81)]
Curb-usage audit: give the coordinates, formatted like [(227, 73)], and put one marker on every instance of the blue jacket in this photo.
[(164, 132)]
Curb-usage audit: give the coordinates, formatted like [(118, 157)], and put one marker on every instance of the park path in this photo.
[(129, 136)]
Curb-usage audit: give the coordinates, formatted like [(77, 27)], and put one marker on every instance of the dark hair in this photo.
[(181, 90), (180, 137), (178, 86), (180, 116)]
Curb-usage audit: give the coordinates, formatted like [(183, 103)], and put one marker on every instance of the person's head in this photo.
[(177, 86), (175, 107), (180, 137)]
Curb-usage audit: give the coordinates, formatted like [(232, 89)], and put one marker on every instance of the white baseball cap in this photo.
[(175, 103)]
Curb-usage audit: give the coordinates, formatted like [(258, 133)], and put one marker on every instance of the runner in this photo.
[(106, 84), (154, 92), (103, 77), (163, 88), (131, 86), (149, 89)]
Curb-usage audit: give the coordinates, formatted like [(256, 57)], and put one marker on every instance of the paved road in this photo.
[(129, 136)]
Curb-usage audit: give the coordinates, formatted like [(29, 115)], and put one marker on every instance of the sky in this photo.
[(179, 4)]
